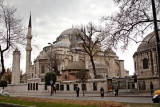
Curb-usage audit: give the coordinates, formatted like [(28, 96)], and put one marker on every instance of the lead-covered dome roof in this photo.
[(149, 42), (71, 33), (74, 40)]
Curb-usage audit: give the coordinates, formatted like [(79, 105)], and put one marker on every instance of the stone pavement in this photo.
[(123, 97)]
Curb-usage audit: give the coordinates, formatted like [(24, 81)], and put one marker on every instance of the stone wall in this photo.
[(23, 88)]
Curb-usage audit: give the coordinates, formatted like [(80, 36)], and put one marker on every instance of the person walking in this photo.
[(151, 87), (102, 92), (116, 90), (54, 89), (77, 91)]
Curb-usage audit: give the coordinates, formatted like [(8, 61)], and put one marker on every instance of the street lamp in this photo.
[(157, 37), (107, 82), (51, 81)]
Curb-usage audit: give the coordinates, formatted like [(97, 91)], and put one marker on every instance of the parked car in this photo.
[(156, 92), (156, 96), (4, 92)]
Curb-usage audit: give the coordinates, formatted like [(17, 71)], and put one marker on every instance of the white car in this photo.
[(4, 92)]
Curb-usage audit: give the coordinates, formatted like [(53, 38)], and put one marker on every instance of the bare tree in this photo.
[(53, 61), (132, 20), (11, 35), (90, 42)]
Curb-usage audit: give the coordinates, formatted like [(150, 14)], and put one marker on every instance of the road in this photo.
[(135, 99)]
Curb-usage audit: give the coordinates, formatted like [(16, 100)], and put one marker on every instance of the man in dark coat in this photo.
[(102, 92), (77, 91), (151, 88), (116, 90)]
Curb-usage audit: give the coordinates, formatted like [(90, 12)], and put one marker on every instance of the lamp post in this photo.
[(157, 37), (51, 81), (107, 82)]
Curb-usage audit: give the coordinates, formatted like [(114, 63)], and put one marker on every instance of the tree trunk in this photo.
[(2, 63), (94, 68)]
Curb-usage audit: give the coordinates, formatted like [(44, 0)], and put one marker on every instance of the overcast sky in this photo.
[(51, 17)]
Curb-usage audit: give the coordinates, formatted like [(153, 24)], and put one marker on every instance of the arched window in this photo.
[(145, 63)]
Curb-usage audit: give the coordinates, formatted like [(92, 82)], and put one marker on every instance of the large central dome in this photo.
[(72, 35), (149, 42), (70, 31)]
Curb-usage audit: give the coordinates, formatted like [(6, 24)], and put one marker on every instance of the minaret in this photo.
[(16, 67), (28, 47)]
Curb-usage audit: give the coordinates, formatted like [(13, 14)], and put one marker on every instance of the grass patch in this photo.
[(142, 104), (40, 104), (51, 102)]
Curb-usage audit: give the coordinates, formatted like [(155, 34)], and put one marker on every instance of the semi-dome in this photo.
[(61, 44), (149, 42)]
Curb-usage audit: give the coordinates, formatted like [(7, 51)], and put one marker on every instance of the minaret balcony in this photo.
[(28, 48)]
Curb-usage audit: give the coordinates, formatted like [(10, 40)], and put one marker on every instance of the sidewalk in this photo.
[(59, 94)]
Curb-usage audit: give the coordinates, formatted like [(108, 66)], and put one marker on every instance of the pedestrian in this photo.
[(116, 90), (102, 92), (77, 91), (151, 88), (54, 89)]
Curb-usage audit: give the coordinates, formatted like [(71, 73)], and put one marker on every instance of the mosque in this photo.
[(65, 57)]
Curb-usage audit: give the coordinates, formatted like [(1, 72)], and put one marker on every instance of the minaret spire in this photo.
[(30, 23), (28, 47)]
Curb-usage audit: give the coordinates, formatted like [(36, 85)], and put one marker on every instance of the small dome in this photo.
[(149, 42), (109, 51), (76, 65), (42, 55)]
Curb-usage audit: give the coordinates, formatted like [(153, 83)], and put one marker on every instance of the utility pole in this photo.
[(157, 37), (51, 82)]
